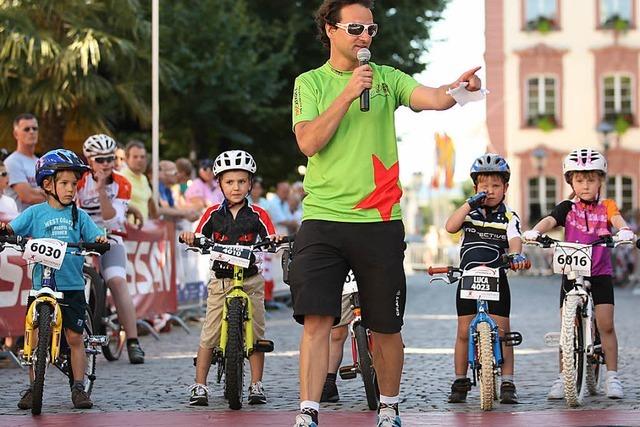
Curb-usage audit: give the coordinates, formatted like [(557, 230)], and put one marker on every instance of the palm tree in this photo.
[(74, 61)]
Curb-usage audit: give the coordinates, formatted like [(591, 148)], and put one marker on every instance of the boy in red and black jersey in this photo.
[(234, 221)]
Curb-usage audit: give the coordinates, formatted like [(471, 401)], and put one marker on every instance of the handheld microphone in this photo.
[(364, 55)]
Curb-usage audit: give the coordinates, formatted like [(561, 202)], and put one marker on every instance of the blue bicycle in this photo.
[(485, 344)]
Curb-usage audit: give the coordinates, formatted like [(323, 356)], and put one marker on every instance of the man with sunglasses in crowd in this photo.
[(104, 194), (352, 215), (21, 164)]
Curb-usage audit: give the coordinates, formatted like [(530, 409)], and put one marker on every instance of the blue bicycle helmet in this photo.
[(58, 160), (490, 163)]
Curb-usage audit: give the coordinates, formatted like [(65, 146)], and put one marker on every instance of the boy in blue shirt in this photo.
[(57, 172)]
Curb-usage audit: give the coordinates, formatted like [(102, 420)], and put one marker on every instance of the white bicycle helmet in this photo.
[(98, 145), (234, 160), (583, 160)]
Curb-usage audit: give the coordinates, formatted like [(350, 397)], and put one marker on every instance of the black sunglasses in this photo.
[(101, 160), (4, 173), (30, 128), (355, 29)]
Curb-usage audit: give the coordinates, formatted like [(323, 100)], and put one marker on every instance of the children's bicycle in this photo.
[(44, 314), (579, 340), (485, 344), (236, 335), (361, 346)]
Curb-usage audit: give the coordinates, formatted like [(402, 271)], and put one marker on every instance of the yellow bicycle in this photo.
[(45, 316), (236, 334)]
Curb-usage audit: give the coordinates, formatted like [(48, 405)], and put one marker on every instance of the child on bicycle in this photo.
[(234, 221), (585, 218), (58, 172), (491, 230)]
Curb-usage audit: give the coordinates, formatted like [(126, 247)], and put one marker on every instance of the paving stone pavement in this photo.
[(161, 383)]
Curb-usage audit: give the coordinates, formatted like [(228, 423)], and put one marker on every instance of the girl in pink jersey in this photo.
[(586, 217)]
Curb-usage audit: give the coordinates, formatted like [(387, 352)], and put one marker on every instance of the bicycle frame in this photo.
[(46, 295), (357, 319), (237, 291)]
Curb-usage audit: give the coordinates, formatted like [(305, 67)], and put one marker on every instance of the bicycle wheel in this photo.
[(367, 372), (234, 353), (593, 365), (486, 374), (116, 335), (90, 368), (41, 355), (97, 296), (573, 354)]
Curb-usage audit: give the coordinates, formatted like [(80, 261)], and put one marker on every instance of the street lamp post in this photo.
[(605, 128)]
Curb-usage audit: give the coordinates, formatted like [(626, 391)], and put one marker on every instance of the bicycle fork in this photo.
[(31, 324)]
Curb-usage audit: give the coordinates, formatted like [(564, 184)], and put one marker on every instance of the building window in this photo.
[(620, 189), (542, 197), (616, 14), (617, 98), (541, 101), (541, 15)]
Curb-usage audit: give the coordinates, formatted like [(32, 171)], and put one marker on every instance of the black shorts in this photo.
[(601, 289), (467, 307), (323, 253), (73, 307)]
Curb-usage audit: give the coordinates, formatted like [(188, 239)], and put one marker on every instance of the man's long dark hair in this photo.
[(329, 13)]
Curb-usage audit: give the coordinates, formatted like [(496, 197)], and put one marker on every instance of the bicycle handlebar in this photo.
[(608, 241), (21, 241), (439, 270), (203, 242)]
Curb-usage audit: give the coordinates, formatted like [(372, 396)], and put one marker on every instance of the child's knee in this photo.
[(74, 339)]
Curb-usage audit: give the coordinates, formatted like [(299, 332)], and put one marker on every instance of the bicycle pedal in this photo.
[(263, 346), (552, 339), (348, 372), (512, 339), (98, 340)]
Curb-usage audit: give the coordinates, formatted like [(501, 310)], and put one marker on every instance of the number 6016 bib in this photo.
[(574, 257)]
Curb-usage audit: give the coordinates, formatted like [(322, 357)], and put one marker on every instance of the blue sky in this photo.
[(457, 45)]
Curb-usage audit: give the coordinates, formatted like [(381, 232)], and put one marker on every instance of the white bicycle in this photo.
[(579, 340)]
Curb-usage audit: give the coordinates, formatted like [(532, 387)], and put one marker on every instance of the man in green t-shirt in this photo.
[(352, 215)]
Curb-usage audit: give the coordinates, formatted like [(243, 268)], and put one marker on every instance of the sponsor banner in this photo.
[(151, 276)]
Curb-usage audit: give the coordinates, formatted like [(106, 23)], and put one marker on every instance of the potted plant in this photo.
[(616, 23), (542, 24)]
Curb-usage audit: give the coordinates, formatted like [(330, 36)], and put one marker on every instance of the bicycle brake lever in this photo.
[(435, 278)]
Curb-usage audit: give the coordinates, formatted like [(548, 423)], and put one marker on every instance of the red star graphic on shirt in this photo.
[(387, 192)]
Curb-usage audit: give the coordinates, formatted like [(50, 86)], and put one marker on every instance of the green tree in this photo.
[(74, 61)]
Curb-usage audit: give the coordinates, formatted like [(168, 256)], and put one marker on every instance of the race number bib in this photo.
[(49, 252), (480, 283), (350, 285), (574, 257), (233, 254)]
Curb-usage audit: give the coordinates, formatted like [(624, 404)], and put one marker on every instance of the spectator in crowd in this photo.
[(8, 208), (256, 196), (204, 190), (167, 178), (141, 194), (280, 211), (295, 211), (183, 178), (121, 158), (21, 164), (298, 188)]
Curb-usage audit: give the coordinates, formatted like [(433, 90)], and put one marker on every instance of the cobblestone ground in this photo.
[(161, 383)]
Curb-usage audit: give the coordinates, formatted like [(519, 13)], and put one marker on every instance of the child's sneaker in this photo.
[(199, 395), (304, 420), (26, 399), (459, 390), (614, 387), (256, 394), (557, 389), (388, 416), (508, 393), (80, 398)]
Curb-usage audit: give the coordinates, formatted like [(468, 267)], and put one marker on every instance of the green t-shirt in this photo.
[(355, 177)]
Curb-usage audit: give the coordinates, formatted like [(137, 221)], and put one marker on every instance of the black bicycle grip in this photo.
[(100, 248)]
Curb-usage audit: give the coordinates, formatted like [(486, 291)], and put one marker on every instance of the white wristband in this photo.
[(462, 95)]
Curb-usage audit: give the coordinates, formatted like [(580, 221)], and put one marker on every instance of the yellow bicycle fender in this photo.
[(56, 332)]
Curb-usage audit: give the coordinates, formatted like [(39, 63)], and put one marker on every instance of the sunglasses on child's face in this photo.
[(3, 174), (354, 29), (102, 160)]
